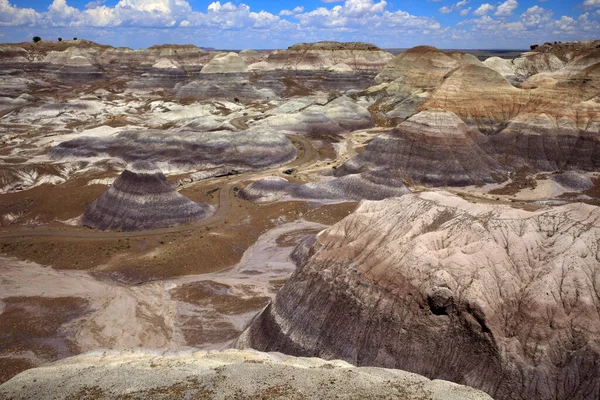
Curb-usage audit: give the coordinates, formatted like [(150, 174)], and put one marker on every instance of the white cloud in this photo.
[(591, 3), (296, 10), (484, 9), (234, 24), (456, 7), (507, 8), (366, 17), (536, 16), (15, 16), (94, 4)]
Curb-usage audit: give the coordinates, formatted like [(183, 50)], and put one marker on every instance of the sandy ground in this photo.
[(205, 311)]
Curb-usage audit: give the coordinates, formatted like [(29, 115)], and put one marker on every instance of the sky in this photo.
[(261, 24)]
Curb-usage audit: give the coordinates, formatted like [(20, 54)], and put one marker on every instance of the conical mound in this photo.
[(433, 148), (141, 198)]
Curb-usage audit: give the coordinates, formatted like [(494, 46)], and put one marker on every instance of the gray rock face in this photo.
[(230, 86), (432, 148), (222, 375), (373, 185), (546, 143), (339, 116), (165, 73), (242, 150), (141, 198), (573, 180), (497, 298)]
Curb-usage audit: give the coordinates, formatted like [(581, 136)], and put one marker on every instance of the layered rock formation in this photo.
[(141, 198), (224, 150), (421, 67), (374, 185), (338, 116), (325, 55), (501, 299), (544, 142), (165, 73), (431, 148), (230, 86), (225, 63), (222, 375)]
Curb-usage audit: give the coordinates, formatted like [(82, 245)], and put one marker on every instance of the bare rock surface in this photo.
[(222, 375), (225, 63), (433, 148), (503, 66), (141, 198), (186, 149), (373, 185), (544, 142), (573, 180), (501, 299), (304, 116), (420, 67)]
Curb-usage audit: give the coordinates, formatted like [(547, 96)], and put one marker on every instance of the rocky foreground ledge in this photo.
[(228, 374)]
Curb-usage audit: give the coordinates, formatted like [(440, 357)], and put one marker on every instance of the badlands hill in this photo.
[(494, 286), (488, 296), (141, 198)]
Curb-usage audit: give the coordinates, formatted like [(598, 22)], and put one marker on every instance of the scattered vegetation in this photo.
[(37, 39), (211, 192)]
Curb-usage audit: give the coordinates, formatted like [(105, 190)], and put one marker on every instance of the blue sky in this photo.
[(464, 24)]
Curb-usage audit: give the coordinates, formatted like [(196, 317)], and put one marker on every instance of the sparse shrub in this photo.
[(37, 39), (534, 46), (60, 39), (74, 38)]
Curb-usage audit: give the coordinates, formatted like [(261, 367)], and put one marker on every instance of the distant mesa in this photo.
[(324, 55), (330, 45), (141, 198)]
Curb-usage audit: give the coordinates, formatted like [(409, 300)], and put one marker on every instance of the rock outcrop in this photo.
[(373, 185), (141, 198), (430, 148), (338, 116), (501, 299), (421, 67), (184, 150), (222, 375), (225, 63), (325, 55)]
